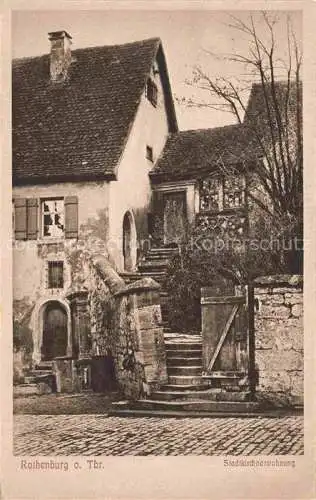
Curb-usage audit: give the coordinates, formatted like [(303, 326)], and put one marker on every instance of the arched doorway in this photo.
[(129, 242), (55, 331)]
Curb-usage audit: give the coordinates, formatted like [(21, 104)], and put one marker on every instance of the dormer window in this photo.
[(155, 68), (152, 92), (149, 153)]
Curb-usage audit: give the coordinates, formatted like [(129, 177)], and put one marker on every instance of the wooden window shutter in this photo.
[(71, 217), (20, 221), (32, 218)]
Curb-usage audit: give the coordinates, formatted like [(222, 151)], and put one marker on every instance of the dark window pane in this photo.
[(149, 153), (209, 194), (55, 274), (152, 92)]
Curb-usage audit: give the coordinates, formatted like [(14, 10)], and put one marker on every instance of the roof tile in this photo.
[(77, 128)]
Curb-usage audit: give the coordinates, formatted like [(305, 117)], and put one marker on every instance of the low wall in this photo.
[(279, 339), (125, 323)]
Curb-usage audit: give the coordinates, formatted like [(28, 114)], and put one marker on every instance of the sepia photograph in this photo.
[(157, 190)]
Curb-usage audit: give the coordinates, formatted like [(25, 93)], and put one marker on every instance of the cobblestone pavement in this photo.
[(102, 435), (63, 404)]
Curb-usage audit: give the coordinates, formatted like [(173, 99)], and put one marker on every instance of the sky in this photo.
[(188, 38)]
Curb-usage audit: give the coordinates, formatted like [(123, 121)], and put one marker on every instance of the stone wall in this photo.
[(279, 339), (125, 323)]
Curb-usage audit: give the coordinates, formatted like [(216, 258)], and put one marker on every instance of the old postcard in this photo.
[(155, 235)]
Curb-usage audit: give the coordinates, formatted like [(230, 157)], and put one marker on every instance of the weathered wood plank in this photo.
[(232, 299), (223, 337)]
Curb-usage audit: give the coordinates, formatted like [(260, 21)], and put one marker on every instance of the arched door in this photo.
[(55, 335), (129, 242)]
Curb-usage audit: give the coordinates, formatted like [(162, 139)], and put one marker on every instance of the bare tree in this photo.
[(272, 117)]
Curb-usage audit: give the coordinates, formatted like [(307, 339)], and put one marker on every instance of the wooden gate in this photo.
[(228, 337)]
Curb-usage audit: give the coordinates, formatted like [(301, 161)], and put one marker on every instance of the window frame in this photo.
[(152, 92), (42, 213), (49, 266), (149, 153), (221, 195)]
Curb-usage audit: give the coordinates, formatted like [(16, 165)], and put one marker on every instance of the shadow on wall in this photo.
[(22, 339)]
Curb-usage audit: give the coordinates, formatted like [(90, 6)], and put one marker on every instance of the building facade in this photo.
[(88, 125)]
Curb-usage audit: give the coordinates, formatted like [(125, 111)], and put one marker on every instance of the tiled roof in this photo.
[(188, 154), (192, 152), (284, 95), (78, 129)]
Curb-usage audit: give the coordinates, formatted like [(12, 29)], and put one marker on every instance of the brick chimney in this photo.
[(60, 55)]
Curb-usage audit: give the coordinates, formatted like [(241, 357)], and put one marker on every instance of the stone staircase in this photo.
[(40, 380), (155, 262), (188, 392), (154, 265)]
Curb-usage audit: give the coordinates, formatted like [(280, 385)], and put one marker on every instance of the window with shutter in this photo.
[(20, 219), (58, 218), (32, 218), (53, 218), (71, 217)]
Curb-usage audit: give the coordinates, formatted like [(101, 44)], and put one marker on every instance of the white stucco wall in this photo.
[(132, 189), (29, 256)]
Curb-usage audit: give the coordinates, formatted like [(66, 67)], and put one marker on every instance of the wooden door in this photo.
[(225, 331), (55, 335), (174, 217)]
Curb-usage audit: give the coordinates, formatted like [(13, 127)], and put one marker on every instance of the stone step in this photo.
[(156, 256), (185, 380), (130, 277), (30, 379), (44, 365), (192, 353), (205, 394), (185, 346), (229, 381), (223, 375), (40, 373), (195, 405), (158, 413), (183, 337), (155, 275), (184, 361), (153, 264), (184, 370), (186, 387), (27, 389), (164, 300), (163, 250)]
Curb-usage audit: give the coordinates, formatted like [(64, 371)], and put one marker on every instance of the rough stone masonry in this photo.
[(280, 339)]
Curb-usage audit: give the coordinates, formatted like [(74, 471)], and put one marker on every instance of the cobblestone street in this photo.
[(102, 435)]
